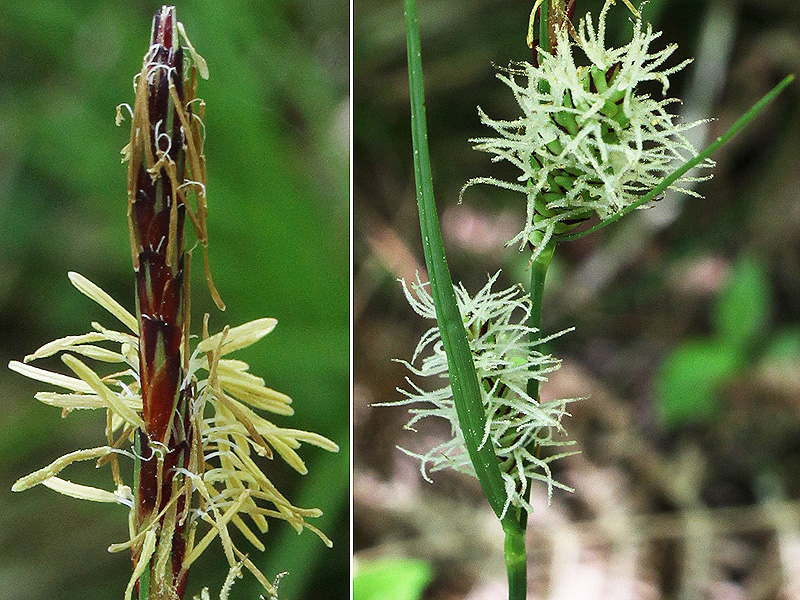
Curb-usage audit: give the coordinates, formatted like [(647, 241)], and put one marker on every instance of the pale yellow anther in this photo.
[(82, 492), (239, 337), (63, 381), (57, 465), (95, 293), (632, 8), (531, 19), (62, 344), (199, 61), (98, 387), (148, 548)]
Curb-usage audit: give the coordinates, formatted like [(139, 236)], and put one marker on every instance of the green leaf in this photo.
[(689, 379), (784, 345), (467, 394), (463, 377), (741, 312), (391, 579)]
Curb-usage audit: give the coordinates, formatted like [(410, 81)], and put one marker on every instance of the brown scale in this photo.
[(560, 14)]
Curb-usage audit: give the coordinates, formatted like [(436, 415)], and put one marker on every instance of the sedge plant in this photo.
[(187, 414), (590, 146)]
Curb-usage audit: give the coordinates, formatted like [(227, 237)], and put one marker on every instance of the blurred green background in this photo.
[(687, 316), (277, 122)]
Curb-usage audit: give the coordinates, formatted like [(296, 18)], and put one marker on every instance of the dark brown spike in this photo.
[(157, 214)]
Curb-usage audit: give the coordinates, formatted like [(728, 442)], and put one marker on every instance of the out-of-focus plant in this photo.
[(186, 416), (395, 579), (691, 379), (591, 144)]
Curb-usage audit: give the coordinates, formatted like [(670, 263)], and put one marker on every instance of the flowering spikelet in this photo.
[(589, 140), (505, 358), (188, 417), (221, 484)]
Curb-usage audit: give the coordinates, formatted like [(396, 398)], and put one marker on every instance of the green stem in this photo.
[(516, 569), (538, 274), (682, 170), (515, 553), (516, 562), (542, 262), (467, 394)]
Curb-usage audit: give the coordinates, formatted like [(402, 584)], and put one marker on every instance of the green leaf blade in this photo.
[(467, 394), (742, 310), (689, 381)]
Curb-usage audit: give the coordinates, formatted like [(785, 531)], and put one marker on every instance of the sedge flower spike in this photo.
[(589, 139), (505, 358), (221, 484), (189, 418)]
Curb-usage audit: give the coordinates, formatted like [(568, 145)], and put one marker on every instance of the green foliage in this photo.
[(785, 345), (742, 310), (689, 381), (391, 579)]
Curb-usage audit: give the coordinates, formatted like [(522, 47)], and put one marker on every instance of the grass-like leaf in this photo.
[(463, 378)]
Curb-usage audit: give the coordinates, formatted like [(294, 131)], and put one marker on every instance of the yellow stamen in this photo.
[(58, 465), (95, 383), (81, 492), (239, 337), (103, 299)]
